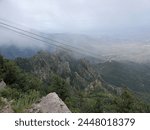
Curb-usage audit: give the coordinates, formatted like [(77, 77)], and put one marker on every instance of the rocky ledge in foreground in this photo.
[(50, 104)]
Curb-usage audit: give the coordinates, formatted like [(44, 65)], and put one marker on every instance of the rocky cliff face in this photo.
[(79, 71), (50, 104)]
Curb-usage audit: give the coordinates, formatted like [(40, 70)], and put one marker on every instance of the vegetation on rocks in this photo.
[(78, 85)]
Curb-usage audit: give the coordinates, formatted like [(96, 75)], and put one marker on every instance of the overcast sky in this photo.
[(78, 16)]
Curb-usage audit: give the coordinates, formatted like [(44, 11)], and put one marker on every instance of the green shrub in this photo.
[(2, 103), (25, 101), (10, 93), (61, 87)]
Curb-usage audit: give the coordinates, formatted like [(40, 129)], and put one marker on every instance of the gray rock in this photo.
[(2, 84), (6, 108), (50, 104)]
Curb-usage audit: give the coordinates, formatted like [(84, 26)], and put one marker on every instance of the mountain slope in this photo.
[(135, 76), (76, 81), (126, 74), (86, 81)]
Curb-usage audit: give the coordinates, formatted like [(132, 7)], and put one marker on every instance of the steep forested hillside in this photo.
[(127, 74), (22, 89), (77, 82), (86, 89)]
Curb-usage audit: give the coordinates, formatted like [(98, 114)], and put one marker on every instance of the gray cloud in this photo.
[(77, 15), (83, 17)]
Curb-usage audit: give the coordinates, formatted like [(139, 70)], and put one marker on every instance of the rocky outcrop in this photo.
[(2, 84), (7, 109), (64, 69), (50, 104), (5, 106), (97, 84)]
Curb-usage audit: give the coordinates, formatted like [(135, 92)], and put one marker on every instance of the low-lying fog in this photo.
[(102, 48), (115, 29)]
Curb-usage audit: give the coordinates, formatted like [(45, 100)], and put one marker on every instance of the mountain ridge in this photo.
[(77, 82)]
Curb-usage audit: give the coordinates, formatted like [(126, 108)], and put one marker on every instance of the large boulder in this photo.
[(50, 104)]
